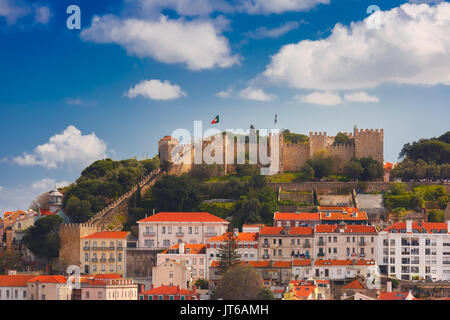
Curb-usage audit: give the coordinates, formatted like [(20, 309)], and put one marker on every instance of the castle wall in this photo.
[(369, 143), (70, 234), (294, 156), (317, 142), (342, 153)]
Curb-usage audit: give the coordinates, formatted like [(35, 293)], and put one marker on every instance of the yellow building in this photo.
[(104, 252)]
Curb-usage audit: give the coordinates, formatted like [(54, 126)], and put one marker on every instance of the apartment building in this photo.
[(278, 243), (169, 293), (247, 245), (104, 252), (14, 287), (346, 215), (341, 242), (190, 255), (48, 288), (108, 289), (165, 229), (172, 273), (410, 250), (296, 219)]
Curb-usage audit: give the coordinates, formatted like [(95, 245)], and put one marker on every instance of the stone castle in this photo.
[(292, 156)]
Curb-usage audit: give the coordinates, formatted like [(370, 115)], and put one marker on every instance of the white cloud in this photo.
[(20, 197), (360, 97), (279, 6), (196, 43), (412, 46), (253, 93), (155, 89), (264, 32), (68, 148), (15, 10), (322, 98), (225, 94)]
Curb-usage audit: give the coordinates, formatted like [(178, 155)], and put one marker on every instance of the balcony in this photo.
[(265, 245), (362, 255), (103, 260), (362, 244), (211, 234), (266, 256), (321, 243), (94, 260), (306, 245), (149, 234), (180, 234), (86, 248), (111, 260), (321, 254), (94, 248), (111, 248)]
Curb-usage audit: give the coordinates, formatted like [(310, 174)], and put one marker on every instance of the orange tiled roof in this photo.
[(108, 276), (301, 262), (282, 264), (108, 235), (365, 262), (49, 279), (296, 216), (328, 228), (15, 280), (183, 217), (303, 291), (290, 231), (45, 212), (247, 236), (425, 227), (169, 290), (355, 215), (254, 264), (192, 248), (355, 284), (393, 295), (333, 262), (254, 225)]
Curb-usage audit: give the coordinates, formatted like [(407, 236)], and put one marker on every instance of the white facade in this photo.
[(410, 255), (13, 293)]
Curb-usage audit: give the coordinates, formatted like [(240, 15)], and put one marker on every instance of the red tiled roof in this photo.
[(355, 215), (169, 290), (254, 225), (192, 248), (15, 280), (108, 235), (301, 262), (333, 262), (327, 228), (49, 279), (426, 227), (45, 212), (303, 291), (365, 262), (290, 231), (248, 236), (108, 276), (296, 216), (393, 295), (254, 264), (355, 284), (183, 217), (282, 264)]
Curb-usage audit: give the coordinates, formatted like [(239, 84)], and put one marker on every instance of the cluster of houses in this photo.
[(298, 257)]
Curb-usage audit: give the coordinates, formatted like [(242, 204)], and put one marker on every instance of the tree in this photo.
[(10, 261), (322, 164), (341, 138), (173, 193), (42, 239), (240, 283), (41, 202), (227, 254), (204, 171), (265, 294), (353, 169), (435, 215), (295, 138), (308, 172)]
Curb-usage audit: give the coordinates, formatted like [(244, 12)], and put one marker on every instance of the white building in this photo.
[(165, 229), (14, 287), (410, 251)]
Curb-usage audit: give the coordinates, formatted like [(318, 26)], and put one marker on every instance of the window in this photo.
[(94, 267), (86, 257), (111, 268), (87, 294), (163, 230), (103, 268), (169, 230), (348, 239), (196, 230), (99, 295)]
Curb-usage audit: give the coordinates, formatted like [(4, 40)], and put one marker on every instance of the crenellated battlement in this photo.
[(317, 134), (368, 131), (342, 146)]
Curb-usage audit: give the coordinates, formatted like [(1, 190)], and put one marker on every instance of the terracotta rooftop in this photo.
[(301, 262), (248, 236), (425, 227), (169, 290), (189, 248), (15, 280), (290, 231), (183, 217), (296, 216), (108, 235), (333, 262), (49, 279), (355, 284), (328, 228)]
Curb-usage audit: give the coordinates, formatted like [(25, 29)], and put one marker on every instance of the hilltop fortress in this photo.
[(291, 156)]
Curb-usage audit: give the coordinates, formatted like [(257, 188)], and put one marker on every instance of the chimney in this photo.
[(235, 232), (408, 226), (181, 248), (389, 286)]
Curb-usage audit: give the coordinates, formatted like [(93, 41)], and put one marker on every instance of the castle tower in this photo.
[(369, 143), (165, 147), (317, 142)]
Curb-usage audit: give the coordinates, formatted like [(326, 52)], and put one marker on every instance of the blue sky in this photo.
[(137, 70)]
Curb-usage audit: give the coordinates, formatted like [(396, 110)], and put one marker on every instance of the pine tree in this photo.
[(227, 254)]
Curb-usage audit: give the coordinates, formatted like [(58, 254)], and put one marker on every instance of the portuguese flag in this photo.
[(215, 120)]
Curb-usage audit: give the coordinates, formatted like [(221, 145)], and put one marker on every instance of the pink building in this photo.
[(192, 256), (169, 293), (108, 288), (166, 229)]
